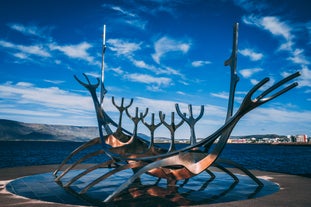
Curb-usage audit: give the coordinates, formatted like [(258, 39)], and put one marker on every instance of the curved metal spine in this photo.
[(88, 170), (76, 151), (131, 165), (85, 157), (240, 167)]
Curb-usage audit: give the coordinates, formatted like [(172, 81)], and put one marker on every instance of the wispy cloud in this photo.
[(166, 45), (46, 48), (278, 115), (222, 95), (155, 69), (27, 93), (282, 29), (298, 57), (117, 70), (122, 11), (31, 30), (79, 51), (123, 47), (259, 121), (254, 56), (141, 24), (246, 73), (275, 26), (131, 18), (56, 82), (143, 64), (251, 5), (305, 78), (200, 63), (154, 83), (25, 98), (23, 51), (128, 49)]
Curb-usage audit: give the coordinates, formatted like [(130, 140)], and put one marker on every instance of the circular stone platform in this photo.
[(39, 189), (201, 189)]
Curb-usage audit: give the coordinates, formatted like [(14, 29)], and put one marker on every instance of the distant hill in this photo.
[(18, 131), (260, 136)]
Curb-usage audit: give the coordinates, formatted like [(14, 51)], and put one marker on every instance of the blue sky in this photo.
[(159, 53)]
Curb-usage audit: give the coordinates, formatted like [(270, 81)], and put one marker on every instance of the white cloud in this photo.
[(25, 92), (167, 106), (31, 112), (23, 51), (200, 63), (283, 29), (275, 26), (251, 5), (171, 71), (55, 106), (299, 57), (222, 95), (24, 99), (21, 55), (225, 96), (143, 64), (274, 120), (181, 93), (28, 30), (157, 70), (254, 81), (54, 81), (79, 51), (279, 115), (270, 23), (165, 45), (246, 73), (128, 17), (305, 78), (119, 9), (141, 24), (122, 47), (254, 56), (117, 70), (147, 79), (265, 86)]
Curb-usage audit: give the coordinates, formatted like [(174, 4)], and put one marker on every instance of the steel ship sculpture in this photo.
[(127, 150)]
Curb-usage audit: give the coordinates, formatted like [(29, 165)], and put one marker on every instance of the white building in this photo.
[(301, 138)]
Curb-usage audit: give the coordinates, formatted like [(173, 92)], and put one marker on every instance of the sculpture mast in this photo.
[(232, 62), (103, 90)]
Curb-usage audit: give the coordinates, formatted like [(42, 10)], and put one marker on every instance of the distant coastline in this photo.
[(292, 143), (19, 131)]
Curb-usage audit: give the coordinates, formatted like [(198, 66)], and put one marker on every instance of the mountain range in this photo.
[(20, 131)]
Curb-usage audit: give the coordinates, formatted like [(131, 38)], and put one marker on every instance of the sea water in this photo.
[(289, 159)]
